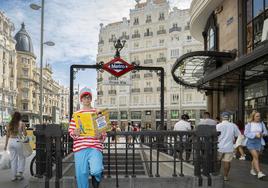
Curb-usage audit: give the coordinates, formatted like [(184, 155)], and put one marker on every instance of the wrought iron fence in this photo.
[(122, 151)]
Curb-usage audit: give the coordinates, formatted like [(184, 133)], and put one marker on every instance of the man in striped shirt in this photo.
[(87, 150)]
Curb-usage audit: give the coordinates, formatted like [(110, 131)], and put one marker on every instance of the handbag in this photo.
[(26, 147), (5, 162)]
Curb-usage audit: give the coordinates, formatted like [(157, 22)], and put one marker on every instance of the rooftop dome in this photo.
[(24, 41)]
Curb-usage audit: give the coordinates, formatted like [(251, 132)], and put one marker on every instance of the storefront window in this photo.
[(256, 15), (123, 114), (158, 115), (113, 115), (136, 115), (174, 114)]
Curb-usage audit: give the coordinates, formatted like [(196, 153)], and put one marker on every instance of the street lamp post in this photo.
[(49, 43)]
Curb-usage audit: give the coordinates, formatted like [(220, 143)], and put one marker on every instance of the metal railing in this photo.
[(198, 148)]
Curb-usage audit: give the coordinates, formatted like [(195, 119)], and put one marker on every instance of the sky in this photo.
[(73, 25)]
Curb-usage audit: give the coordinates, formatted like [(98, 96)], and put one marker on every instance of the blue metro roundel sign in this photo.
[(117, 67)]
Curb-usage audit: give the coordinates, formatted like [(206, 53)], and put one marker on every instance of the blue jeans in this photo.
[(88, 162)]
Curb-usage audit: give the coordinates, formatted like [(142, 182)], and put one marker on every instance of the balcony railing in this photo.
[(148, 61), (135, 90), (163, 31), (148, 21), (148, 89), (126, 37), (101, 42), (148, 34), (148, 75), (135, 76), (161, 59), (112, 92), (137, 35), (174, 29), (112, 39)]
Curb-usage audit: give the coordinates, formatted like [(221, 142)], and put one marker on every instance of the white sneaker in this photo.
[(242, 158), (19, 176), (261, 175), (252, 172)]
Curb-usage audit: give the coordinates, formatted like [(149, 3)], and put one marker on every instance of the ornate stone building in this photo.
[(8, 71), (155, 36)]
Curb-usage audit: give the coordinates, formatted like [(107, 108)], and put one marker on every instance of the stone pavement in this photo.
[(5, 175), (239, 175)]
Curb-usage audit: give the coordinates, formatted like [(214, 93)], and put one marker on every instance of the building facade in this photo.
[(155, 36), (8, 71), (234, 65)]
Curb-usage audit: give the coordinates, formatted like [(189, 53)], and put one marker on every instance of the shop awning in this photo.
[(208, 70)]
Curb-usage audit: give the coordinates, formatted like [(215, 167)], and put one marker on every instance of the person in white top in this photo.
[(184, 125), (228, 132), (207, 120)]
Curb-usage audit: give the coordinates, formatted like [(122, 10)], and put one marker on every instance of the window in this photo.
[(148, 43), (158, 115), (188, 97), (4, 68), (174, 53), (256, 14), (136, 32), (161, 42), (174, 114), (161, 54), (112, 101), (136, 45), (113, 115), (175, 98), (25, 84), (148, 19), (122, 101), (148, 84), (175, 25), (148, 99), (211, 39), (136, 115), (189, 38), (25, 94), (4, 55), (25, 72), (161, 16), (24, 106), (136, 21), (148, 56), (123, 115)]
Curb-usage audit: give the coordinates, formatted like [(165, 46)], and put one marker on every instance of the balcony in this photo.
[(148, 21), (99, 79), (135, 76), (100, 93), (101, 42), (163, 31), (112, 39), (159, 88), (112, 92), (148, 75), (161, 59), (137, 35), (148, 61), (148, 34), (148, 89), (124, 37), (174, 29), (135, 90)]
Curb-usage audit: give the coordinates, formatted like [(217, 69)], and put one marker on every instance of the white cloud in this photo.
[(72, 24)]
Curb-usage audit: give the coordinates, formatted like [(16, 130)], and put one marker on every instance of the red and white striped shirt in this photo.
[(82, 142)]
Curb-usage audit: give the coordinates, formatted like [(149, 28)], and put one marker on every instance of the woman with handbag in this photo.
[(14, 131), (254, 132)]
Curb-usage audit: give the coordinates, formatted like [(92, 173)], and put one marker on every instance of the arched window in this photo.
[(211, 39)]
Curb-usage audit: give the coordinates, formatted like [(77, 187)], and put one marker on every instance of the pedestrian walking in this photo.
[(228, 132), (15, 130), (254, 131), (207, 120), (87, 150), (184, 125), (240, 141)]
